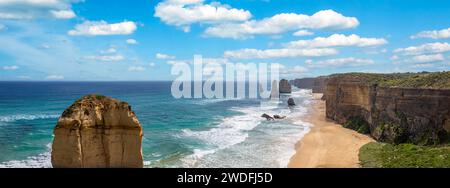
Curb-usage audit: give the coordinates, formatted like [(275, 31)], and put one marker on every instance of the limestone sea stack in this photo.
[(97, 132), (285, 87)]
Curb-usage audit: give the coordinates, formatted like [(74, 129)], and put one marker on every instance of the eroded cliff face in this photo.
[(394, 115), (411, 115), (97, 132)]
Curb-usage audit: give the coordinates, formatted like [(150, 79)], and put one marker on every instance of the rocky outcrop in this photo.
[(285, 87), (394, 115), (291, 102), (97, 132)]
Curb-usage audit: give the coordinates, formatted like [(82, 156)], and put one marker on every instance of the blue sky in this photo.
[(93, 40)]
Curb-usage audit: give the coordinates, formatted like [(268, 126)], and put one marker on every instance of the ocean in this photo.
[(177, 132)]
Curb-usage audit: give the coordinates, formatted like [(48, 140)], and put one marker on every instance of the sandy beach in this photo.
[(327, 145)]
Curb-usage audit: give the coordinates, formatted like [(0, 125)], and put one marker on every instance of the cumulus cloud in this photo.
[(183, 13), (302, 32), (174, 62), (54, 77), (350, 61), (434, 34), (31, 9), (420, 59), (105, 58), (63, 14), (291, 71), (428, 58), (427, 48), (94, 28), (164, 56), (336, 40), (280, 23), (110, 50), (11, 68), (136, 69), (279, 53), (205, 61), (131, 41)]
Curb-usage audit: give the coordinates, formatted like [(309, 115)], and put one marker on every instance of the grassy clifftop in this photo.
[(381, 155), (434, 80)]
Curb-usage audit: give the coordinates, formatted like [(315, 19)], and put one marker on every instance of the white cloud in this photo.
[(301, 33), (183, 13), (110, 50), (434, 34), (336, 40), (63, 14), (94, 28), (278, 53), (14, 67), (54, 77), (205, 61), (174, 62), (31, 9), (105, 58), (152, 64), (136, 69), (45, 46), (394, 57), (422, 66), (299, 69), (164, 56), (428, 58), (424, 49), (350, 61), (421, 59), (131, 41), (293, 71), (280, 23)]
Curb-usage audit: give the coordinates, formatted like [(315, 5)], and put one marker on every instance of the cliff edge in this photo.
[(393, 108)]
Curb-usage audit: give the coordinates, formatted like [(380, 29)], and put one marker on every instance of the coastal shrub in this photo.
[(99, 97), (431, 80), (382, 155), (358, 124)]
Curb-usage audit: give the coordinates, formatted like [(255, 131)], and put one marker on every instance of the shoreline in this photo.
[(328, 144)]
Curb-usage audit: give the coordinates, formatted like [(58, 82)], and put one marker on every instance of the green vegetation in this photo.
[(358, 124), (381, 155), (99, 97), (434, 80)]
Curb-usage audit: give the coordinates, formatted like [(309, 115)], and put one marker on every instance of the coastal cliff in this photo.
[(401, 108), (97, 132), (303, 83), (316, 84)]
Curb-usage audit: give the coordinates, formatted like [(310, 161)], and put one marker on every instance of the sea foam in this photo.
[(27, 117), (40, 161), (247, 140)]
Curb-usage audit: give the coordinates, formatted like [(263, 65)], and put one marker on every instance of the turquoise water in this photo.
[(177, 132)]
